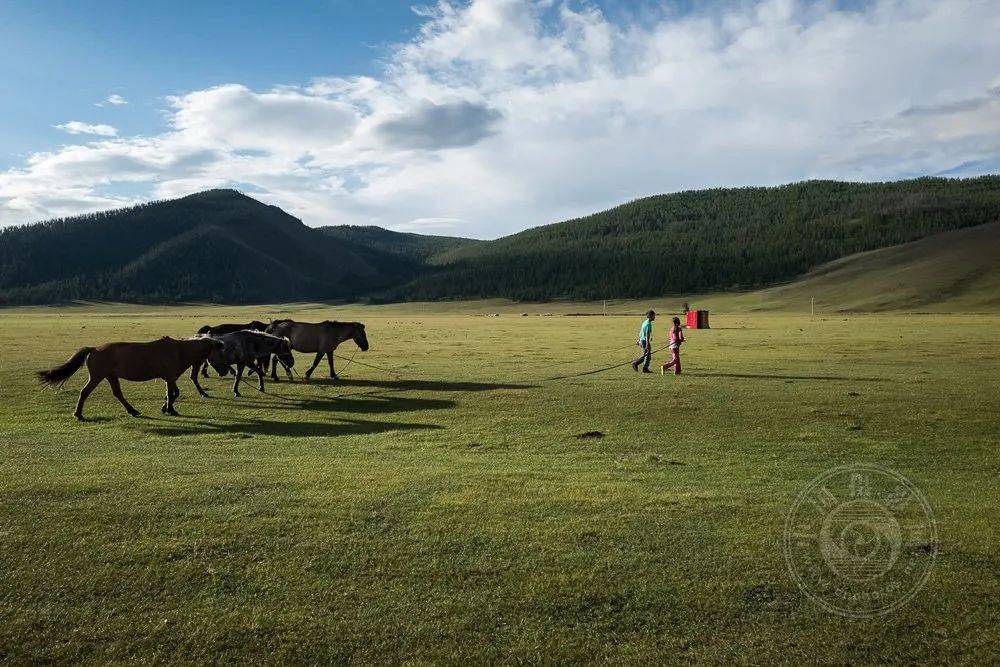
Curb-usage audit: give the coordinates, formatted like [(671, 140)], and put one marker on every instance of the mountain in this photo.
[(223, 246), (219, 246), (957, 270), (417, 247), (707, 240)]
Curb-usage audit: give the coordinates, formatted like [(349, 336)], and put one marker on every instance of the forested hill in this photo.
[(222, 246), (699, 241), (218, 246), (418, 247)]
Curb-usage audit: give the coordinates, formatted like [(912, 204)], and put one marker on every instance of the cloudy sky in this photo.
[(483, 118)]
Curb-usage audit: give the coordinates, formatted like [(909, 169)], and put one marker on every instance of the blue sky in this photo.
[(482, 118), (58, 59)]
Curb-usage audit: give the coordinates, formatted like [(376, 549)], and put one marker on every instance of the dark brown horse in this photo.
[(319, 337), (164, 359)]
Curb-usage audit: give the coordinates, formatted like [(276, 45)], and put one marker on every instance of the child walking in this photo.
[(676, 339)]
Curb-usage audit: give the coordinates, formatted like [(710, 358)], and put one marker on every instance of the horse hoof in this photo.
[(79, 416), (174, 413), (135, 413)]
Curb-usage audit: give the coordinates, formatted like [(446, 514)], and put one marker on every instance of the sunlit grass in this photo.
[(447, 511)]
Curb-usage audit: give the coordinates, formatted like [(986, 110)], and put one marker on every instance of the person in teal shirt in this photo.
[(645, 344)]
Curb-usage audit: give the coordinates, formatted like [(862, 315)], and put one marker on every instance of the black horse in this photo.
[(249, 349), (223, 329)]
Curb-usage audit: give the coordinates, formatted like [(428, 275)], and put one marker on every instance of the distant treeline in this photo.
[(689, 242), (222, 246)]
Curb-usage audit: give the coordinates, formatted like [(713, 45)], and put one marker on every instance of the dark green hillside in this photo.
[(218, 245), (223, 246), (418, 247), (707, 240)]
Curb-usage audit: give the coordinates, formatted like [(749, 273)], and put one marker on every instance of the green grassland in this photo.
[(449, 512)]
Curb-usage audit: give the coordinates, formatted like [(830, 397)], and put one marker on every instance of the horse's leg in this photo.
[(166, 398), (116, 389), (260, 374), (239, 376), (319, 358), (194, 379), (92, 383), (204, 369), (329, 357), (274, 368), (172, 393)]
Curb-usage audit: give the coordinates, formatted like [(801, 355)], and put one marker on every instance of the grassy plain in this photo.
[(450, 512)]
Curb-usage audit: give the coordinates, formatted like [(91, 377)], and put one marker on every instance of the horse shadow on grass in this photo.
[(419, 385), (361, 403), (270, 427), (356, 397)]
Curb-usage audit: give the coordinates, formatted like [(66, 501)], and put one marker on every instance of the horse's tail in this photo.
[(59, 374)]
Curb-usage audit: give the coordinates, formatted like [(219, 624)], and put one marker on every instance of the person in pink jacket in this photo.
[(676, 339)]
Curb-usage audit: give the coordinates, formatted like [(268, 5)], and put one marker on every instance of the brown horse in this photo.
[(164, 359), (319, 337)]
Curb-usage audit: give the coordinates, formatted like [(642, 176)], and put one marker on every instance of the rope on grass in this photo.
[(594, 371)]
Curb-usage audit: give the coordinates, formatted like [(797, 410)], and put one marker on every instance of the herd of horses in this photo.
[(252, 346)]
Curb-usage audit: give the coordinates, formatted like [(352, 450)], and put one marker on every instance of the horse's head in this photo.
[(217, 356), (205, 330), (359, 337), (257, 326), (284, 352), (274, 326)]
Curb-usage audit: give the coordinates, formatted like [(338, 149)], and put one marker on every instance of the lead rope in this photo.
[(597, 370)]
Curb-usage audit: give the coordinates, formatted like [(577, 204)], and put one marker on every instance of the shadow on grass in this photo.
[(419, 385), (768, 376), (380, 399), (361, 403), (295, 429)]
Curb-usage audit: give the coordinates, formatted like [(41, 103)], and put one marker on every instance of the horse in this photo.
[(222, 329), (319, 337), (249, 349), (164, 359)]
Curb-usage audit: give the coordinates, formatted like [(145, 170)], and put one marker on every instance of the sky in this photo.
[(487, 117)]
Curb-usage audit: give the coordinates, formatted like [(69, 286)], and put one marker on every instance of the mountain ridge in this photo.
[(224, 246)]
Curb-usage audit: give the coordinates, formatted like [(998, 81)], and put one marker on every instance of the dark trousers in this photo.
[(647, 353)]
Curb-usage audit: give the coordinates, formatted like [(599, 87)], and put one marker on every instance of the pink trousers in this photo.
[(675, 360)]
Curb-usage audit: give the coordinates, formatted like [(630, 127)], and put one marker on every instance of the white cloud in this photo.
[(76, 127), (113, 100), (284, 121), (503, 114)]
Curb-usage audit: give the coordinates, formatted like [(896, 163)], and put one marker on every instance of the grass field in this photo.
[(451, 514)]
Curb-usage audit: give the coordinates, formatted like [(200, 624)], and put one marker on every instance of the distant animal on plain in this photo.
[(249, 349), (222, 329), (163, 359), (319, 337)]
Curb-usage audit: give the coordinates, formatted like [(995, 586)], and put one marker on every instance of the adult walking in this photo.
[(645, 343)]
